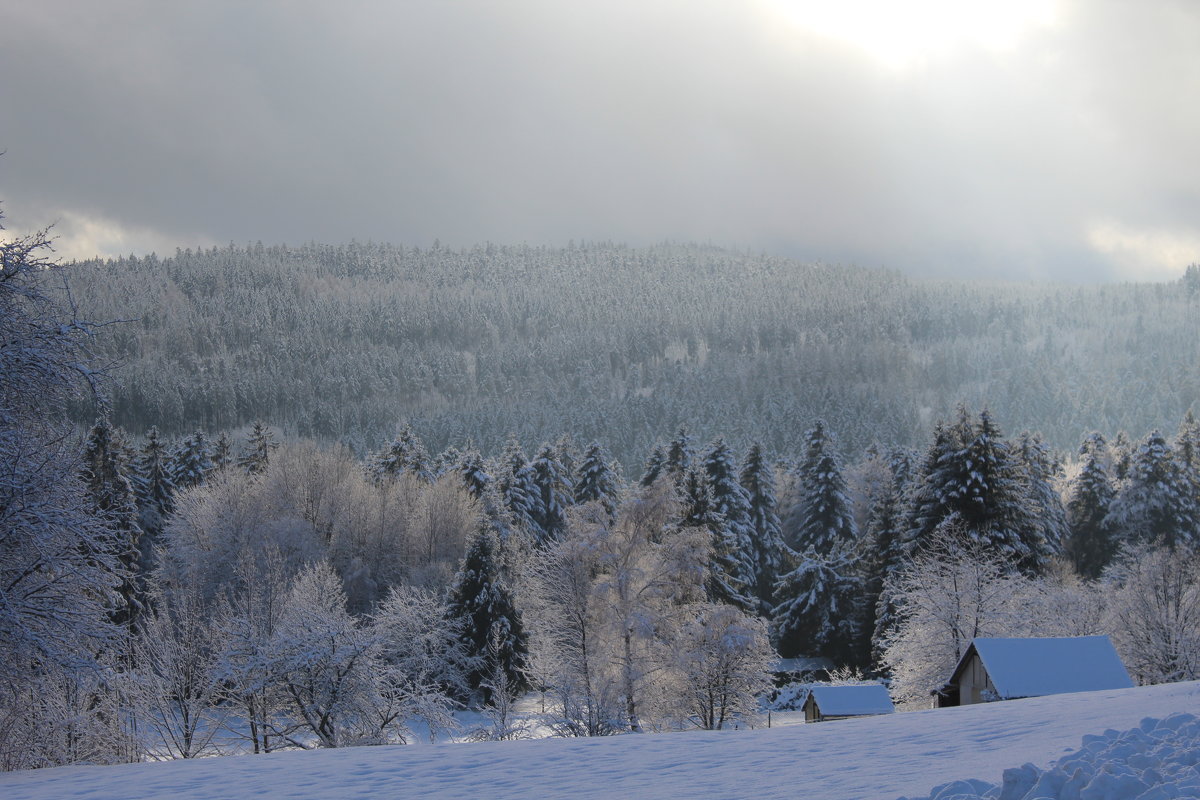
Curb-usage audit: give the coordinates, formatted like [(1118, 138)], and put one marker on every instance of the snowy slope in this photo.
[(878, 757)]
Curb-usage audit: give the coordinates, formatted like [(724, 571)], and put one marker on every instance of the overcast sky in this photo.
[(1005, 140)]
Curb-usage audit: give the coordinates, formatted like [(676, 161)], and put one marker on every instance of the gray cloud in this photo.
[(1070, 156)]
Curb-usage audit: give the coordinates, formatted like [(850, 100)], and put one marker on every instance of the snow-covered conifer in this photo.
[(758, 479)]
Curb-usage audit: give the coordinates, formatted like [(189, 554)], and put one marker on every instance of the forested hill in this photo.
[(623, 345)]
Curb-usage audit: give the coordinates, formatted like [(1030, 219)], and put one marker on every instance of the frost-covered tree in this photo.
[(1154, 613), (954, 589), (422, 662), (758, 479), (1090, 543), (724, 658), (177, 683), (323, 661), (481, 603), (1155, 505), (58, 570), (972, 475), (257, 453), (222, 452), (1040, 470), (598, 480)]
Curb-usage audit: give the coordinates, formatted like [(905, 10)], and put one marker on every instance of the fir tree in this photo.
[(680, 455), (519, 492), (552, 482), (112, 498), (819, 610), (154, 487), (758, 479), (885, 533), (732, 502), (256, 456), (656, 464), (1090, 542), (191, 464), (598, 480), (723, 582), (822, 520), (1155, 505), (406, 453), (474, 473), (222, 452), (492, 632)]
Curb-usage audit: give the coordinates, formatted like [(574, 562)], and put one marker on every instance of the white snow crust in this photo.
[(872, 758)]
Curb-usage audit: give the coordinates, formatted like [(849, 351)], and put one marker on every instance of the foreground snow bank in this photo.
[(869, 758), (1155, 761)]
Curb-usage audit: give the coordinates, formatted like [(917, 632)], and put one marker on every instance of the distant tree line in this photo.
[(618, 344)]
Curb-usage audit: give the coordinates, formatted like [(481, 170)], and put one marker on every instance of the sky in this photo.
[(1045, 139)]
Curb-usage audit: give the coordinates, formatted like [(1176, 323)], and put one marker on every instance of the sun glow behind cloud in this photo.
[(903, 35)]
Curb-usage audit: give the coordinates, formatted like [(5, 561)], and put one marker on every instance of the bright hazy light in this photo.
[(900, 33)]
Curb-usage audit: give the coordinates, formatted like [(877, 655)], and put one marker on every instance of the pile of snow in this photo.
[(870, 757), (1158, 760)]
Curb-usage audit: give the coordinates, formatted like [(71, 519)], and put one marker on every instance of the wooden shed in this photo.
[(852, 700), (1006, 669)]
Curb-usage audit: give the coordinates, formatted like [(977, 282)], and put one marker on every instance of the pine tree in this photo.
[(822, 520), (552, 482), (474, 474), (519, 492), (222, 452), (1155, 505), (1090, 542), (1187, 454), (680, 455), (885, 533), (492, 632), (656, 464), (1047, 513), (598, 480), (113, 499), (724, 582), (256, 456), (732, 503), (758, 479), (191, 464), (819, 610), (154, 487), (405, 453)]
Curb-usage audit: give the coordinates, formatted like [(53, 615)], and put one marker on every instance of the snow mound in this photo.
[(1157, 760)]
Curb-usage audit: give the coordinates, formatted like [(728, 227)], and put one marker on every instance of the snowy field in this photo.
[(877, 758)]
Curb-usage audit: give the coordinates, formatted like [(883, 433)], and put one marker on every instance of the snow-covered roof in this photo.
[(853, 700), (1042, 666)]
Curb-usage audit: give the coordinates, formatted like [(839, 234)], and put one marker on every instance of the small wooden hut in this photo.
[(841, 702), (1006, 669)]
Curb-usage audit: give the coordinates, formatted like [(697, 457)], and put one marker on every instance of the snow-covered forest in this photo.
[(624, 345), (203, 567)]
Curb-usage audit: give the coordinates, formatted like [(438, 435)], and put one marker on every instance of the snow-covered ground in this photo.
[(875, 758)]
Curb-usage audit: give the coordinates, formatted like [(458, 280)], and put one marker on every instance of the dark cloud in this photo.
[(1069, 155)]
